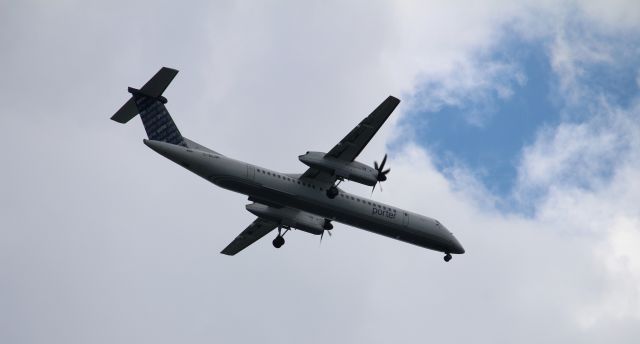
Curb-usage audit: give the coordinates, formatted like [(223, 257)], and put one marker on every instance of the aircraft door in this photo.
[(405, 219), (251, 172)]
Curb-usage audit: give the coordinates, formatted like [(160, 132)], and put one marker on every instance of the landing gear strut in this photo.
[(447, 257), (279, 240), (332, 192)]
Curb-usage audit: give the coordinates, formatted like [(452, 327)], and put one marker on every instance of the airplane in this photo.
[(310, 201)]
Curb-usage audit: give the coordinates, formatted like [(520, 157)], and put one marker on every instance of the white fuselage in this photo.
[(273, 188)]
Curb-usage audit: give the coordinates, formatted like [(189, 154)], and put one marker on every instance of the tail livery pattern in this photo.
[(149, 103)]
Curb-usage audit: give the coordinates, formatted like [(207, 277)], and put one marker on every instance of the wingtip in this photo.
[(169, 69)]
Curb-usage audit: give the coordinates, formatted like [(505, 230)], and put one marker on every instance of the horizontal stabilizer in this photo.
[(152, 89), (126, 112), (156, 85), (149, 103)]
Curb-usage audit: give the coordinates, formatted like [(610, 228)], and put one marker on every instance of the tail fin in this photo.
[(149, 103)]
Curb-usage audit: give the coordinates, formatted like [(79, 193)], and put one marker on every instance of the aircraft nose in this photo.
[(456, 246)]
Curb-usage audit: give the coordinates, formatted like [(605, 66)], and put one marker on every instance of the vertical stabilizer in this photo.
[(149, 103)]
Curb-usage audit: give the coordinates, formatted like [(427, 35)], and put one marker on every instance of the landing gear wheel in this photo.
[(332, 192), (278, 241), (447, 257)]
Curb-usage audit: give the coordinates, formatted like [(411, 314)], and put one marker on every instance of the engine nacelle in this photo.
[(291, 218), (354, 171)]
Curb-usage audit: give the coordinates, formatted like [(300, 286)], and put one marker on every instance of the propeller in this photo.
[(327, 228), (322, 234), (382, 173)]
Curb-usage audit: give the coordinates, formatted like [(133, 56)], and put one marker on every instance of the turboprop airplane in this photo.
[(310, 201)]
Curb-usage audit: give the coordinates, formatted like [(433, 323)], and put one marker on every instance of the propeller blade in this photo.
[(373, 189), (322, 234), (375, 165), (384, 161), (386, 171)]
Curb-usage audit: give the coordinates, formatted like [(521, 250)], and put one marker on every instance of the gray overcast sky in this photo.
[(103, 241)]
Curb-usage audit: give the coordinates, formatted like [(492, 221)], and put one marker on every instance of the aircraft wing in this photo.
[(352, 144), (256, 230)]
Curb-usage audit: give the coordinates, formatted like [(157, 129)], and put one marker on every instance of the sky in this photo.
[(518, 129)]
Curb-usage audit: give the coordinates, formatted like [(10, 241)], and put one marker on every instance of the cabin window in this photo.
[(298, 182)]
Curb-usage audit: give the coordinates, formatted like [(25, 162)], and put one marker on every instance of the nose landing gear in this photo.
[(447, 257)]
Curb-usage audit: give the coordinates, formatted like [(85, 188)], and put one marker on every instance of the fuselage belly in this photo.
[(262, 184)]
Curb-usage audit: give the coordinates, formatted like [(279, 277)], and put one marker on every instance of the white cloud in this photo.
[(572, 153)]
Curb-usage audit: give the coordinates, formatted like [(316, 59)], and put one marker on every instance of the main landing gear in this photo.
[(447, 257), (332, 192), (279, 240)]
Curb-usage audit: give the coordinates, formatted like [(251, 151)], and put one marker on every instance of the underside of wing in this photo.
[(358, 138), (320, 176), (256, 230), (352, 144)]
